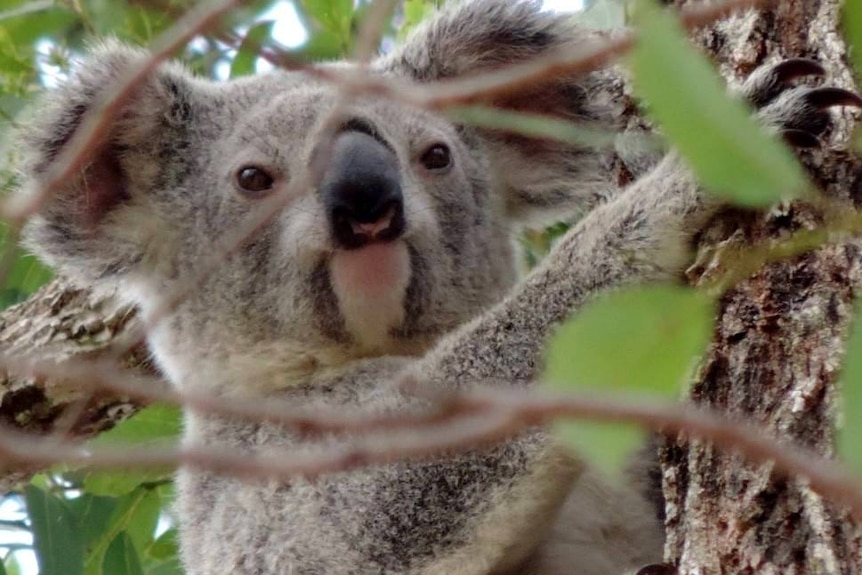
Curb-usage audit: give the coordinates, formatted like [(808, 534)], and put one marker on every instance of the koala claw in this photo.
[(801, 114), (767, 82), (823, 98), (800, 139), (791, 68), (658, 569)]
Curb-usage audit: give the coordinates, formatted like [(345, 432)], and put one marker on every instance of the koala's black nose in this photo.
[(361, 191)]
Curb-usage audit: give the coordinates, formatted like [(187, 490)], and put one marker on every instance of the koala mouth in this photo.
[(370, 284)]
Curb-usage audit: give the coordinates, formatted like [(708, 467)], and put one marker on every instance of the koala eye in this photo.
[(437, 157), (253, 181)]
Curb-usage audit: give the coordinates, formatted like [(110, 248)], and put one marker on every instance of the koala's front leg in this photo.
[(643, 235)]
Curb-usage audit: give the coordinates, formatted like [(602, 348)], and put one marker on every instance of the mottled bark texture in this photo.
[(62, 323), (777, 349)]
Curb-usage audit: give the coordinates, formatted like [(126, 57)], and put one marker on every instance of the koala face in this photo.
[(400, 239), (400, 221)]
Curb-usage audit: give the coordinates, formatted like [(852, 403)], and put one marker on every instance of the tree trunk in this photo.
[(62, 323), (777, 348)]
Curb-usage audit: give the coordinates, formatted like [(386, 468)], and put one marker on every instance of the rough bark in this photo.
[(777, 348), (62, 323)]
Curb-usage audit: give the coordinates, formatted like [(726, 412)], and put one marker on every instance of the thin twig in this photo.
[(479, 418), (369, 36)]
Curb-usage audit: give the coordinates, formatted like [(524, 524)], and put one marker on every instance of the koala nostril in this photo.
[(361, 191), (355, 228)]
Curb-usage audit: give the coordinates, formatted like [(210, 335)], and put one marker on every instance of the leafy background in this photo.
[(76, 522)]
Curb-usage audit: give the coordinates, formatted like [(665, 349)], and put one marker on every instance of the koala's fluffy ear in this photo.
[(102, 222), (542, 180)]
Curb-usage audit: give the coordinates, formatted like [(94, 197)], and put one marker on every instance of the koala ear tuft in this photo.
[(83, 228), (543, 180), (479, 35)]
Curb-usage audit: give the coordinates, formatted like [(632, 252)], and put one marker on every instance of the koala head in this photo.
[(405, 233)]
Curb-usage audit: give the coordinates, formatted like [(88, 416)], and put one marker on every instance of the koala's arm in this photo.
[(642, 235)]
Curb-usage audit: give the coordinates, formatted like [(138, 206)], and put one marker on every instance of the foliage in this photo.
[(717, 135), (639, 340)]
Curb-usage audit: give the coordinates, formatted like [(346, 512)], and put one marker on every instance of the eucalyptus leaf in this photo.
[(605, 445), (851, 24), (334, 16), (94, 513), (716, 134), (154, 425), (121, 558), (56, 535), (165, 546), (850, 384), (246, 57), (643, 339), (13, 565), (136, 515)]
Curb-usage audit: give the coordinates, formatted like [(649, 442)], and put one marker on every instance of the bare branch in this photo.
[(459, 420)]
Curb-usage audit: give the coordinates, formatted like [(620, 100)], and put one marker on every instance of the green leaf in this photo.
[(850, 384), (27, 9), (136, 515), (13, 566), (165, 547), (56, 536), (643, 340), (170, 567), (851, 24), (26, 276), (104, 17), (714, 133), (415, 11), (143, 520), (607, 446), (636, 339), (335, 16), (121, 558), (144, 23), (118, 483), (247, 54), (322, 45), (93, 513), (157, 424)]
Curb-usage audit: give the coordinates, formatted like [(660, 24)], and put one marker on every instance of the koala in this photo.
[(397, 262)]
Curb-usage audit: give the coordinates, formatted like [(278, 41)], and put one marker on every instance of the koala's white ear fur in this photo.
[(542, 180), (83, 228)]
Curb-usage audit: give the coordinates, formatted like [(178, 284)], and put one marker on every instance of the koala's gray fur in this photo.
[(272, 323)]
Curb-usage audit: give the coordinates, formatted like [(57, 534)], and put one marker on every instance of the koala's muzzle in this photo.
[(361, 191)]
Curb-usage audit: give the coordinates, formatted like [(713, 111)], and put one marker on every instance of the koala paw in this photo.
[(658, 569), (799, 113)]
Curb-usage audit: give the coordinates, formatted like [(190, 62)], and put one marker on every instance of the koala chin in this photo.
[(398, 261)]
